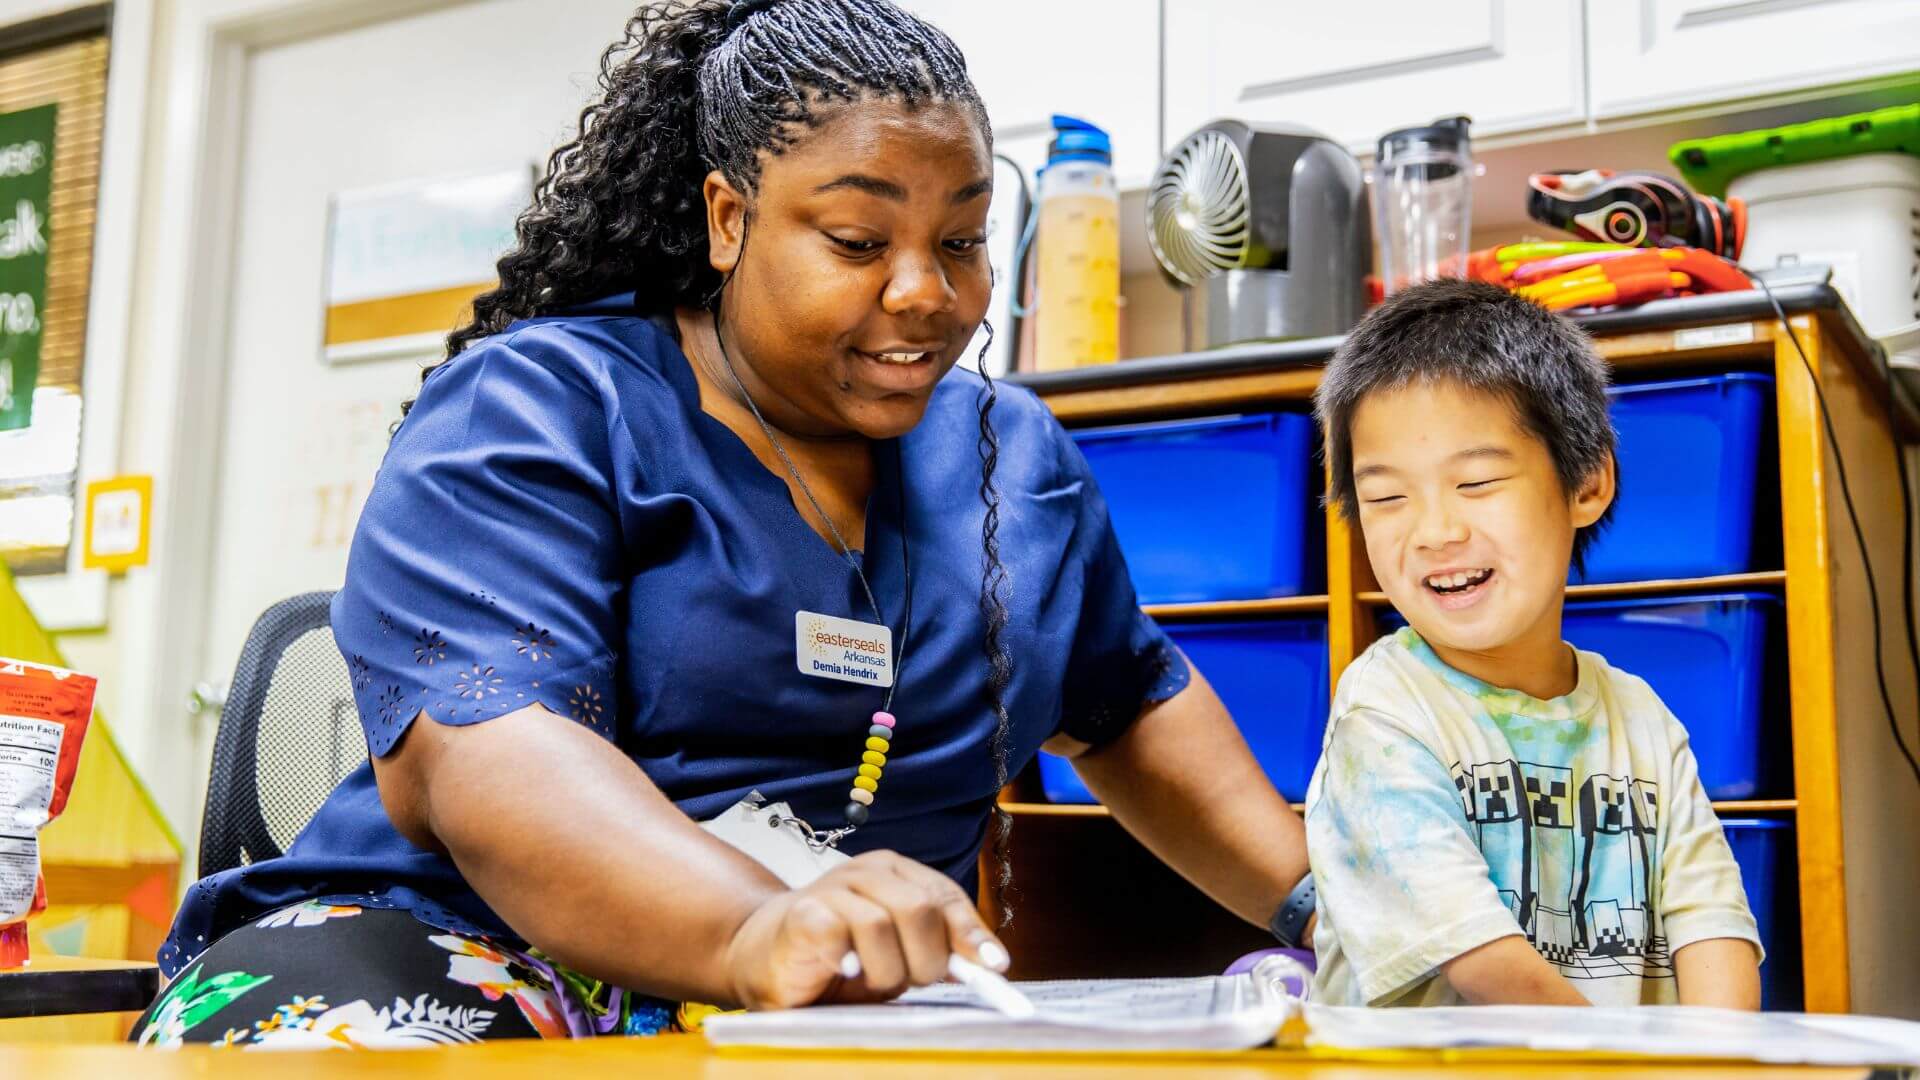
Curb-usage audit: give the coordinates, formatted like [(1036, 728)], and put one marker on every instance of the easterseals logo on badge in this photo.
[(830, 648)]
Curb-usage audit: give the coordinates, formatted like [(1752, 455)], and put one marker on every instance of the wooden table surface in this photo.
[(688, 1056), (70, 985)]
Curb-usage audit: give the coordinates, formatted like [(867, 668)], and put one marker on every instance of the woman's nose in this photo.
[(918, 287)]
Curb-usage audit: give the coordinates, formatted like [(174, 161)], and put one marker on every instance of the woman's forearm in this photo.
[(1183, 782), (570, 843)]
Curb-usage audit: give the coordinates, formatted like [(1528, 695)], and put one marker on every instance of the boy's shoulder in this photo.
[(1399, 676), (1390, 680), (1397, 668), (1627, 698)]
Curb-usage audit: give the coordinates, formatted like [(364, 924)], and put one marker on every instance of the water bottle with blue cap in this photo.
[(1077, 275)]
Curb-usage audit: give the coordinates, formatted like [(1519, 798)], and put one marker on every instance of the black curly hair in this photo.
[(698, 85)]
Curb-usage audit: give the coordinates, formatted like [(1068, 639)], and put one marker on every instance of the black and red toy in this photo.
[(1639, 209)]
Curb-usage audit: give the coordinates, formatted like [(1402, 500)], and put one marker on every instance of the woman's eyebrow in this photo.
[(887, 189), (872, 185), (982, 186)]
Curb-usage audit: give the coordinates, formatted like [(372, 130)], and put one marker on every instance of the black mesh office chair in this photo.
[(287, 735)]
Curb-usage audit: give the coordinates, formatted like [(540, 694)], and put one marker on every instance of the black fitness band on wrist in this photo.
[(1289, 923)]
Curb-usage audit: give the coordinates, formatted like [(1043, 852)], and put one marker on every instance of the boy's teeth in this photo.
[(1458, 580), (899, 357)]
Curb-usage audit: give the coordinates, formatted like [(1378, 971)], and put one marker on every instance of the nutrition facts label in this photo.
[(29, 754)]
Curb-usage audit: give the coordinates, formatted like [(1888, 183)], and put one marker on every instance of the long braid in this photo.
[(993, 606), (698, 85)]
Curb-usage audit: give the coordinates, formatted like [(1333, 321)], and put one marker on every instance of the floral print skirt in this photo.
[(329, 975)]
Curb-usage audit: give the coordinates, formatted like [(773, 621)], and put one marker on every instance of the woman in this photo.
[(696, 508)]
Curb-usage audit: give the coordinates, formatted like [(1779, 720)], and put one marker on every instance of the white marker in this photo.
[(992, 987)]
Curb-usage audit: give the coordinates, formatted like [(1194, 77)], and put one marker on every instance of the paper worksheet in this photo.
[(1242, 1011), (1664, 1031), (1214, 1013)]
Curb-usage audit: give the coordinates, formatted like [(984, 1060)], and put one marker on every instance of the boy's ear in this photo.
[(1595, 495)]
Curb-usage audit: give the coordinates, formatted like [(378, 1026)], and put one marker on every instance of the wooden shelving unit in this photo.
[(1763, 579), (1853, 804), (1237, 609)]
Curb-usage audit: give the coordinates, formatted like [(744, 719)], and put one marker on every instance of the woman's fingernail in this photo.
[(850, 965), (994, 955)]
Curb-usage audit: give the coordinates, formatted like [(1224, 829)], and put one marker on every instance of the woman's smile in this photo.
[(900, 371)]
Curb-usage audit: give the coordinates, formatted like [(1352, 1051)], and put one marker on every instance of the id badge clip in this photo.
[(772, 836)]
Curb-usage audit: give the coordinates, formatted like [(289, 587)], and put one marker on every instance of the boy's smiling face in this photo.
[(1467, 526)]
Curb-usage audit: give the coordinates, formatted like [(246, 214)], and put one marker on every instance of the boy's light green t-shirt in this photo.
[(1447, 813)]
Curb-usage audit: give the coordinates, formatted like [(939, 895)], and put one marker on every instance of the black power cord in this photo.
[(1860, 535)]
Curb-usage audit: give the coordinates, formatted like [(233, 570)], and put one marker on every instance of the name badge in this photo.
[(830, 648)]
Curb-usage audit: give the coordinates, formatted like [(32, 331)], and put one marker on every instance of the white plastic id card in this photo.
[(774, 838), (827, 647)]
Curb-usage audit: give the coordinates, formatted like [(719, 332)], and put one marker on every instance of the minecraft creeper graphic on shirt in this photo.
[(1498, 810), (1611, 898)]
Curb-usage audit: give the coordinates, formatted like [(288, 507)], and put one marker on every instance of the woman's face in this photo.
[(863, 273)]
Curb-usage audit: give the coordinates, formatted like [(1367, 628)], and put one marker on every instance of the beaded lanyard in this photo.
[(880, 732)]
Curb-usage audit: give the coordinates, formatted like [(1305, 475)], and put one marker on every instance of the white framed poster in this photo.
[(405, 260)]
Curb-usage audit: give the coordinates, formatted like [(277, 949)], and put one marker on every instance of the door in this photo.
[(1667, 54), (473, 88), (1355, 72)]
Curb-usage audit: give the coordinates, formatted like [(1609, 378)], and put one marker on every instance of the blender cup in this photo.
[(1423, 203)]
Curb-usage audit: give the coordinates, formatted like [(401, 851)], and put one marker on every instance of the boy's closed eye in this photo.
[(1482, 486)]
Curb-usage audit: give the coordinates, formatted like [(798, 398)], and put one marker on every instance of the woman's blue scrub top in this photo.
[(557, 521)]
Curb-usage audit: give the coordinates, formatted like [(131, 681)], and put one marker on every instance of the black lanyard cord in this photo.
[(845, 550)]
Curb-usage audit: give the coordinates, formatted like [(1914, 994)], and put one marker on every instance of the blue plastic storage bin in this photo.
[(1716, 661), (1271, 674), (1770, 872), (1215, 509), (1690, 454)]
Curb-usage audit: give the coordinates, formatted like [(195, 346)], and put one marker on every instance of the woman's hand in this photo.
[(901, 918)]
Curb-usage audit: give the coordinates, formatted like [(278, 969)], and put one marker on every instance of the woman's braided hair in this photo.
[(698, 85)]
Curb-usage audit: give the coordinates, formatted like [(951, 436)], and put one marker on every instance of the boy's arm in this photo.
[(1716, 949), (1509, 972), (1403, 885), (1722, 972)]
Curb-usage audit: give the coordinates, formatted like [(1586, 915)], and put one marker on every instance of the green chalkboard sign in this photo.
[(26, 189)]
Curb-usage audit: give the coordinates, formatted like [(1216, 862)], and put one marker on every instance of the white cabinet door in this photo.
[(1033, 58), (1355, 71), (1662, 54)]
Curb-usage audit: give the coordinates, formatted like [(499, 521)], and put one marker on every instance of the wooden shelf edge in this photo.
[(1238, 609), (1756, 580)]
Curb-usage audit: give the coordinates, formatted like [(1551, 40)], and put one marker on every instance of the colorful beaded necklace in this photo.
[(866, 781)]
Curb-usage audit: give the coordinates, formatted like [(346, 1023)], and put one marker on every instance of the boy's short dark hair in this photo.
[(1481, 337)]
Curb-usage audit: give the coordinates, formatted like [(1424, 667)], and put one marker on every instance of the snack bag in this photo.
[(43, 718)]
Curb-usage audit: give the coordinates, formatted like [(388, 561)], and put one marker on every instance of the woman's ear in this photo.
[(726, 222), (1595, 495)]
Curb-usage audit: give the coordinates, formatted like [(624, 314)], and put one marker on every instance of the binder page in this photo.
[(1213, 1013)]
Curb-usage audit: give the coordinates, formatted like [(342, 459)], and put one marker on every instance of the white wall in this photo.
[(402, 89)]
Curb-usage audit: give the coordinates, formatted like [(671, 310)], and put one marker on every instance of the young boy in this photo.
[(1498, 817)]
